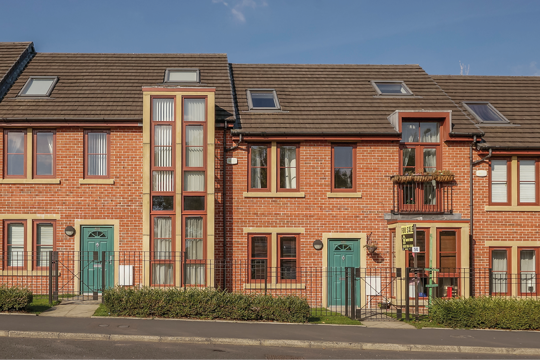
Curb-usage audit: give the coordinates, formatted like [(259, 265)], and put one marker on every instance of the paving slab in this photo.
[(387, 325), (73, 309)]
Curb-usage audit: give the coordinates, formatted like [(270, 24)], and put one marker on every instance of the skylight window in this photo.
[(39, 86), (391, 88), (182, 75), (262, 99), (485, 112)]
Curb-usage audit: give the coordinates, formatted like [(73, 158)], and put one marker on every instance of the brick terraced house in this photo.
[(177, 170)]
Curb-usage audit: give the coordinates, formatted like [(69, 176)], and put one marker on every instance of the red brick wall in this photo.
[(122, 201)]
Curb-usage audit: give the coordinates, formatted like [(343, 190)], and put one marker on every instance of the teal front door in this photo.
[(342, 254), (94, 241)]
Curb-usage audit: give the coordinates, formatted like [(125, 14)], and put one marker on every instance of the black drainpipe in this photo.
[(471, 206), (224, 204)]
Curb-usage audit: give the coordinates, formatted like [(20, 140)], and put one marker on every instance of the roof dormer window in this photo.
[(262, 99), (391, 87), (182, 75), (39, 86), (484, 112)]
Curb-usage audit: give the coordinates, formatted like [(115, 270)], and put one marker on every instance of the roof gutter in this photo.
[(311, 133)]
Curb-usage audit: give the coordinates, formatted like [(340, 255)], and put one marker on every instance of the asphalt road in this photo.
[(20, 348)]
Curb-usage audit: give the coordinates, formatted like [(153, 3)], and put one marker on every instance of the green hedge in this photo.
[(487, 313), (14, 298), (205, 304)]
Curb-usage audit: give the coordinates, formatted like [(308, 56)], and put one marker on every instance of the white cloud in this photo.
[(237, 9), (526, 70), (238, 15)]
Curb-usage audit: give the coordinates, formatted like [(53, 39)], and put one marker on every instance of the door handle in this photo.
[(110, 259)]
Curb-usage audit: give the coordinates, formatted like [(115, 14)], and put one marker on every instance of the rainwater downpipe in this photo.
[(471, 206), (224, 200)]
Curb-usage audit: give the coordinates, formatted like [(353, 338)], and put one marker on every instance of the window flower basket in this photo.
[(443, 176), (438, 175)]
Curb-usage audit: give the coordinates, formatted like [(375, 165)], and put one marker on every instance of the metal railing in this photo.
[(359, 293), (422, 198)]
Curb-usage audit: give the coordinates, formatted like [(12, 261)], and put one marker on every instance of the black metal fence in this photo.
[(422, 197), (359, 293)]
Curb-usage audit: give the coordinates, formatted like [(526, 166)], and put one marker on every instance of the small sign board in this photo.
[(407, 237), (416, 249)]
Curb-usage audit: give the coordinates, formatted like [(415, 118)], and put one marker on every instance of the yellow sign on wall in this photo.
[(407, 236)]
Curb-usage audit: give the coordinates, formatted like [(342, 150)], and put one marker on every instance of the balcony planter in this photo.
[(443, 178)]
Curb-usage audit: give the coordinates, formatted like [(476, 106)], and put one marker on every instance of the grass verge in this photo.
[(324, 316), (102, 311)]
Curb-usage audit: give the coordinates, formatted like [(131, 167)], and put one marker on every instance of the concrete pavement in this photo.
[(77, 309), (272, 334)]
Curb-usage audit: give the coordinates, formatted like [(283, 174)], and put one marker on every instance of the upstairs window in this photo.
[(97, 149), (15, 156), (182, 75), (499, 182), (262, 99), (485, 112), (344, 168), (39, 86), (259, 172), (44, 154), (527, 174), (391, 88)]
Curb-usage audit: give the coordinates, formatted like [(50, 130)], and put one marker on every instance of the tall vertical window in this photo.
[(163, 155), (97, 147), (527, 182), (259, 257), (448, 261), (288, 167), (499, 182), (15, 244), (162, 251), (528, 271), (44, 154), (15, 153), (259, 171), (420, 150), (343, 168), (500, 283), (288, 258), (194, 250), (422, 260), (162, 192), (44, 235), (194, 196)]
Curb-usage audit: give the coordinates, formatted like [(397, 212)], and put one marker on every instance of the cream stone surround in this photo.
[(463, 227), (273, 193), (210, 166), (29, 246), (514, 193), (274, 232), (514, 256), (326, 237), (77, 239)]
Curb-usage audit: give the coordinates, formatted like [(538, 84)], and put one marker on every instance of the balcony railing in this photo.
[(429, 197)]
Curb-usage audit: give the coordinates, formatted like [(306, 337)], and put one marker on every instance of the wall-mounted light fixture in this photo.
[(318, 245), (69, 231)]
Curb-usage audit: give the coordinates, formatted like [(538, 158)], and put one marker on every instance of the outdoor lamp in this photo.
[(318, 245), (69, 231)]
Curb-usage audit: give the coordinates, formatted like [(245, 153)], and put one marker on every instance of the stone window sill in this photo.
[(274, 195), (512, 208), (344, 195), (29, 181), (96, 181)]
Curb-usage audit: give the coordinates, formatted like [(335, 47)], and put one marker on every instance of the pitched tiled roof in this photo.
[(97, 86), (516, 97), (10, 52), (336, 99)]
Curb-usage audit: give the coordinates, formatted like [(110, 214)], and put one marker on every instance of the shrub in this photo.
[(487, 313), (205, 304), (14, 298)]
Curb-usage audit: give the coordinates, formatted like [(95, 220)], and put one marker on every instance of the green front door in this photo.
[(96, 240), (341, 254)]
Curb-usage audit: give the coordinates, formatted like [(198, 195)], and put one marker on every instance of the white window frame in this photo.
[(169, 70), (503, 120), (250, 102), (49, 91), (400, 82)]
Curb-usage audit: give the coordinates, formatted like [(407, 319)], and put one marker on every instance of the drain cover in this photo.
[(103, 325), (123, 326)]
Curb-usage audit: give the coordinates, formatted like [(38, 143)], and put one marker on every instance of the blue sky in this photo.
[(493, 37)]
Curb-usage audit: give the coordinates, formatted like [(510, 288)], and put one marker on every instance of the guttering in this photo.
[(312, 133)]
